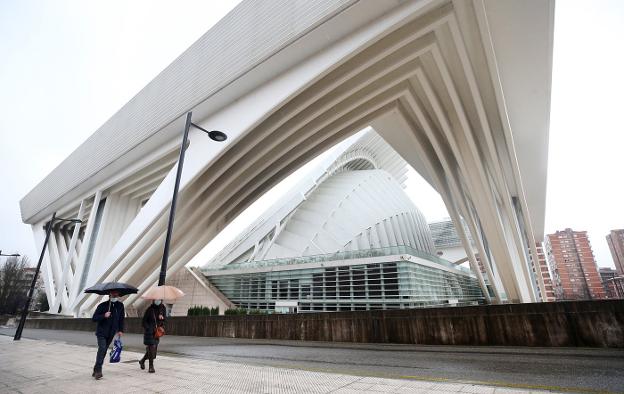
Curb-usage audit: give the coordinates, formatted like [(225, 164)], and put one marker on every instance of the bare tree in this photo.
[(13, 285)]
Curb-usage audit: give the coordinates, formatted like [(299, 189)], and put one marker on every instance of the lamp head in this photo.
[(217, 135)]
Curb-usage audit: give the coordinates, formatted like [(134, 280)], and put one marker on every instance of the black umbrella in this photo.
[(105, 288)]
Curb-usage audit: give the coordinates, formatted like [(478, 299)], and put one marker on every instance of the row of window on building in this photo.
[(573, 268), (388, 285)]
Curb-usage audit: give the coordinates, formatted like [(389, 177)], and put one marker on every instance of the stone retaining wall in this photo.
[(574, 323)]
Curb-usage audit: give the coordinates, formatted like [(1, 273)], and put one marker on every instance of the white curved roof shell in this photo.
[(354, 200)]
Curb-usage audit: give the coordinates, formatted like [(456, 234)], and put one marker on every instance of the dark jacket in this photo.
[(150, 319), (109, 327)]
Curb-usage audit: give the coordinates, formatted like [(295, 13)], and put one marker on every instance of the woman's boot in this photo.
[(152, 353), (142, 361)]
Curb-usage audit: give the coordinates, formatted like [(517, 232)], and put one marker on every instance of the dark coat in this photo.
[(107, 328), (150, 319)]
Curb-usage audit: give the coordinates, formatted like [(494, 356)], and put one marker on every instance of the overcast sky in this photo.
[(67, 66)]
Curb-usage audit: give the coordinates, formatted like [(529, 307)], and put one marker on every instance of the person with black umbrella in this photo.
[(109, 316)]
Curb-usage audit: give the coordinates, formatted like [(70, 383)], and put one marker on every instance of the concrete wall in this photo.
[(574, 323), (198, 291)]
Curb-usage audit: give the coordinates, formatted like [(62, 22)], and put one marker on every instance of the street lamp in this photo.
[(20, 327), (9, 255), (215, 135)]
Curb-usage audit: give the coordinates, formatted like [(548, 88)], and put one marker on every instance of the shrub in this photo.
[(191, 311), (198, 310), (236, 311), (243, 311)]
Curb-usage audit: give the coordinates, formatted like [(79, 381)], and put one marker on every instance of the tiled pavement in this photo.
[(34, 366)]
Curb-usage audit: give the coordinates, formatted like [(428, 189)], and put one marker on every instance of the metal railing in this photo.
[(346, 255)]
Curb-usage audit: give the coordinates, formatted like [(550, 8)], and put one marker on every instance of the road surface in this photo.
[(557, 369)]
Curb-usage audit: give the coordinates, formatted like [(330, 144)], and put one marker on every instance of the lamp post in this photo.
[(215, 135), (20, 327)]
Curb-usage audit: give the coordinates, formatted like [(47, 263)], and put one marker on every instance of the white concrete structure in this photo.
[(460, 89), (198, 292), (345, 238), (354, 200), (447, 242)]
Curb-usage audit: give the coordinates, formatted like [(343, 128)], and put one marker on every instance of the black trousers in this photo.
[(103, 344), (150, 352)]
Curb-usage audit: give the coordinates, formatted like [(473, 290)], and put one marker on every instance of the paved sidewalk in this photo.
[(33, 366)]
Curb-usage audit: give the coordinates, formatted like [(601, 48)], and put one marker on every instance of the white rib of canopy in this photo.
[(460, 89)]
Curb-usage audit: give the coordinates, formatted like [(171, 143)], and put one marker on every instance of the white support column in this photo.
[(74, 260), (60, 299), (82, 257), (468, 213), (469, 164), (450, 179), (449, 200), (514, 242), (528, 231), (102, 242), (495, 162), (66, 276), (400, 119)]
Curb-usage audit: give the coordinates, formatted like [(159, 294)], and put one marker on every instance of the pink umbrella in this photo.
[(169, 293)]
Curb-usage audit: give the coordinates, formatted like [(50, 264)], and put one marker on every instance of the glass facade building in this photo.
[(385, 278), (445, 235)]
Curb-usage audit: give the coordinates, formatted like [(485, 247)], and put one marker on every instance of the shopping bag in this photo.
[(115, 353)]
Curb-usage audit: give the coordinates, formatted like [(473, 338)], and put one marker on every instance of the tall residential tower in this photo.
[(615, 239), (574, 270)]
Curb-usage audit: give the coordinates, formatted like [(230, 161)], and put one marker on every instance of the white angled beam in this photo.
[(60, 299), (84, 251), (423, 149), (65, 282)]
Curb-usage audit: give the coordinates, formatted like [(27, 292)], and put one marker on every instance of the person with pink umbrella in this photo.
[(154, 321)]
